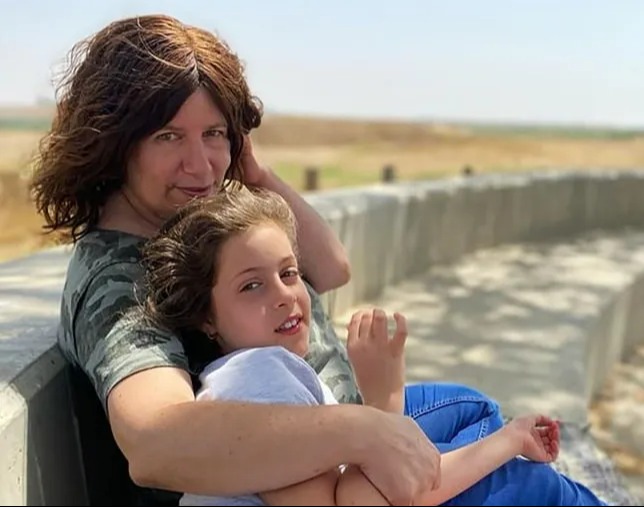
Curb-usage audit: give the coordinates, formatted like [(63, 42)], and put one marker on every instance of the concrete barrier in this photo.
[(392, 232)]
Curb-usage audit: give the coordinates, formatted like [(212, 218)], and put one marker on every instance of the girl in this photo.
[(223, 274)]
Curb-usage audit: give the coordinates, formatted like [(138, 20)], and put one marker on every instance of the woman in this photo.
[(151, 114)]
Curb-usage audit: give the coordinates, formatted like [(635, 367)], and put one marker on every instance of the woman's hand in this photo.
[(253, 172), (378, 360), (400, 460)]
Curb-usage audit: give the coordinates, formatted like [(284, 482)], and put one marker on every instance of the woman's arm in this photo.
[(221, 448), (174, 442), (323, 258)]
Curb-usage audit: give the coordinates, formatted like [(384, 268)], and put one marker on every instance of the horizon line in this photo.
[(422, 119)]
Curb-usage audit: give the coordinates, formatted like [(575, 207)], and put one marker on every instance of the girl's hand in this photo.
[(378, 360), (538, 435)]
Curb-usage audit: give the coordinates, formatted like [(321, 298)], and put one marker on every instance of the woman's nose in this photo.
[(195, 159)]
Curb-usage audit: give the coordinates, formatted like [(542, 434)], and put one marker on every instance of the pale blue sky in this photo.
[(569, 61)]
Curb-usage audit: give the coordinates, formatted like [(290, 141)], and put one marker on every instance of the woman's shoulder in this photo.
[(101, 283), (100, 248), (103, 253), (101, 328)]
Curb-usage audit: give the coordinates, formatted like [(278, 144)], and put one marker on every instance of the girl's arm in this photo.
[(535, 436)]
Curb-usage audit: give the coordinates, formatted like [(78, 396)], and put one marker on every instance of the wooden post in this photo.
[(388, 173), (311, 178)]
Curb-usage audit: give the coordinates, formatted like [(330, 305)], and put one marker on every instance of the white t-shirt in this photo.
[(260, 375)]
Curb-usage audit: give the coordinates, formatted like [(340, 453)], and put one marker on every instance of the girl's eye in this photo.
[(250, 286), (291, 272)]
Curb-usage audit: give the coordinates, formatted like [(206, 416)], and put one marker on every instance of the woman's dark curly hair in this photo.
[(121, 85), (181, 261)]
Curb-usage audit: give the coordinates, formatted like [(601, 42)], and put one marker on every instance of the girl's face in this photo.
[(260, 299), (187, 158)]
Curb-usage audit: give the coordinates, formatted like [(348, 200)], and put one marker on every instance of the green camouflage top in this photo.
[(100, 333)]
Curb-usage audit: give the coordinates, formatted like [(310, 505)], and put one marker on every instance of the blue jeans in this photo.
[(454, 415)]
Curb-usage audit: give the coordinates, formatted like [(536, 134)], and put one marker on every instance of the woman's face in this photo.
[(187, 158)]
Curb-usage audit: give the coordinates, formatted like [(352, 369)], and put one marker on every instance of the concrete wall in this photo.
[(391, 232)]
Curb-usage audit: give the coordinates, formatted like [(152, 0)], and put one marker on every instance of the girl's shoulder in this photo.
[(263, 374)]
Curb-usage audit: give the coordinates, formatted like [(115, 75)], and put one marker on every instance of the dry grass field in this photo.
[(346, 153)]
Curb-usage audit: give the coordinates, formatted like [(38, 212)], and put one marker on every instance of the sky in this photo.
[(531, 61)]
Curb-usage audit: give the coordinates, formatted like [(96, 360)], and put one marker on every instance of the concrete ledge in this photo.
[(393, 233)]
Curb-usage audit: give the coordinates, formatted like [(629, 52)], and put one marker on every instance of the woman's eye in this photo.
[(167, 136), (215, 133)]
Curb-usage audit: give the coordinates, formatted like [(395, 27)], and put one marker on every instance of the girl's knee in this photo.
[(453, 408), (444, 392)]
